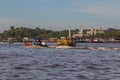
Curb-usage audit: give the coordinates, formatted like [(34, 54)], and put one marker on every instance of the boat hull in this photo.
[(65, 47), (35, 46), (29, 44)]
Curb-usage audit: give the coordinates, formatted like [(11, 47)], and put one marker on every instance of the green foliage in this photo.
[(22, 32), (33, 33), (113, 34)]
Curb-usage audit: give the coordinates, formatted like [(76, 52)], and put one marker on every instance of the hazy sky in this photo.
[(59, 14)]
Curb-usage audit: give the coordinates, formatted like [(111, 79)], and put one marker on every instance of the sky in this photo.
[(59, 14)]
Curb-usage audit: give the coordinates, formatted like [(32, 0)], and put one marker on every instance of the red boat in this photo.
[(34, 43)]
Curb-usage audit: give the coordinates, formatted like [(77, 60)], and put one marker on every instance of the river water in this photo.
[(20, 63)]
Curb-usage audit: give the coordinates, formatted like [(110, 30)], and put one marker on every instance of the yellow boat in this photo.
[(66, 42)]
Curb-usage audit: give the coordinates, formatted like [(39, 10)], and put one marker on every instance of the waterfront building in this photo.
[(80, 36), (80, 33), (83, 35), (95, 31)]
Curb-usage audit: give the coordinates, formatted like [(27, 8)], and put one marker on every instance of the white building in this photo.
[(80, 33), (95, 31), (88, 32)]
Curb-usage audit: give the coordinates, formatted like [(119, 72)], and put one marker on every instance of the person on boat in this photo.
[(38, 42), (34, 42)]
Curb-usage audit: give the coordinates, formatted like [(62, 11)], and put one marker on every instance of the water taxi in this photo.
[(34, 43), (66, 42)]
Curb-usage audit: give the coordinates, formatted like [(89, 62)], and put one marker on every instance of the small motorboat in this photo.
[(34, 43), (66, 42)]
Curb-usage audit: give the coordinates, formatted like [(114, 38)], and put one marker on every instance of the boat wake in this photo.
[(102, 48), (70, 47)]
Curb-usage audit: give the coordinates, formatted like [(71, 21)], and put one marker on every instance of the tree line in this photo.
[(21, 32)]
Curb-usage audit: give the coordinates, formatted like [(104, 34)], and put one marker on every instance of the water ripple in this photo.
[(20, 63)]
